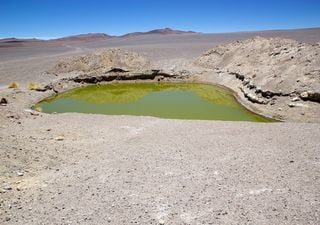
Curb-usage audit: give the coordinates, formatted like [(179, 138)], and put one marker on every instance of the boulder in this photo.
[(310, 96), (3, 101), (253, 98)]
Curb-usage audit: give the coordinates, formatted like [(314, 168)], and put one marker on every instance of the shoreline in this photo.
[(187, 81)]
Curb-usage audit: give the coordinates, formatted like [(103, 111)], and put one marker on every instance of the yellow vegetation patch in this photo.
[(33, 86), (13, 85)]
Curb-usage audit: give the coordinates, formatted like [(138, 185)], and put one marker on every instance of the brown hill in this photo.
[(164, 31), (86, 37), (18, 40)]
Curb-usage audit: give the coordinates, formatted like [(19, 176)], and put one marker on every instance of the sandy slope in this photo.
[(275, 74), (124, 170)]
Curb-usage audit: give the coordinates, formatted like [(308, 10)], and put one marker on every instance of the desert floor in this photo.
[(94, 169)]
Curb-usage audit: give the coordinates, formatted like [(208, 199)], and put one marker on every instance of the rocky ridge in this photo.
[(269, 68), (107, 65), (101, 61)]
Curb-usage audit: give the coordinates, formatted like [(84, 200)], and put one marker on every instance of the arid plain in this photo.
[(77, 168)]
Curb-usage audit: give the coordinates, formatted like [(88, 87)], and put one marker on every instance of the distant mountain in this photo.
[(18, 40), (96, 36), (163, 31), (85, 37)]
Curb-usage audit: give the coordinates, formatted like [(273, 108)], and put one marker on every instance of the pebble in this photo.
[(291, 105), (34, 113), (3, 101), (8, 188), (295, 99), (59, 138), (20, 174)]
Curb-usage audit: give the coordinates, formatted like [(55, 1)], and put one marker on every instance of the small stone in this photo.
[(3, 101), (304, 95), (245, 81), (258, 89), (34, 113), (8, 188), (161, 222), (251, 85), (291, 105), (59, 138), (311, 96), (295, 99), (20, 174)]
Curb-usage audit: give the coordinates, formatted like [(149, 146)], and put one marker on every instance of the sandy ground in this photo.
[(91, 169)]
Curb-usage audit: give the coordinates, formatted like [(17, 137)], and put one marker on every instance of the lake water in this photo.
[(163, 100)]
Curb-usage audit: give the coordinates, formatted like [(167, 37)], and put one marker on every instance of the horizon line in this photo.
[(47, 38)]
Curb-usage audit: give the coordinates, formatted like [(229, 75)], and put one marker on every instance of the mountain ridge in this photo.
[(163, 31), (98, 36), (104, 36)]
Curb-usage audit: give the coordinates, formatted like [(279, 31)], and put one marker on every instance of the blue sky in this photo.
[(56, 18)]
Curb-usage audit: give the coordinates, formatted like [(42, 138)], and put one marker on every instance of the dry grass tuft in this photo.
[(13, 85), (33, 86)]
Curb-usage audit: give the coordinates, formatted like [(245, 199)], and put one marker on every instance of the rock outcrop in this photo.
[(269, 67), (108, 65), (312, 96)]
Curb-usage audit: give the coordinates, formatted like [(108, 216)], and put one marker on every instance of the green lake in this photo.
[(163, 100)]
